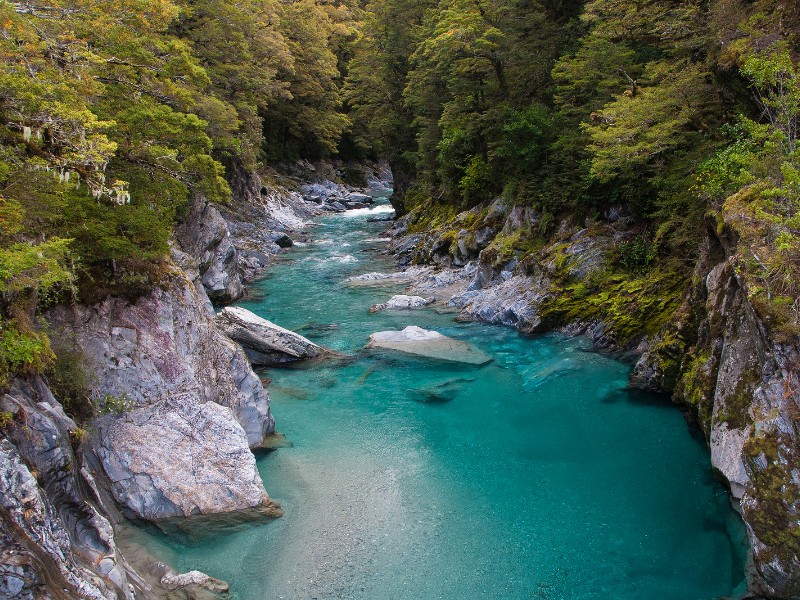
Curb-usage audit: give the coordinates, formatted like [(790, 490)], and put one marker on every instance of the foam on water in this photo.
[(537, 476), (381, 209)]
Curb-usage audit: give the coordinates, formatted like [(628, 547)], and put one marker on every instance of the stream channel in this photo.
[(538, 475)]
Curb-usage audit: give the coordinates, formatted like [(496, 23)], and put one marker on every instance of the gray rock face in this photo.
[(179, 459), (513, 303), (52, 538), (428, 344), (742, 386), (260, 219), (264, 342), (183, 376), (204, 235)]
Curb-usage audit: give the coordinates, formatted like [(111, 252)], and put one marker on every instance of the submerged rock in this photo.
[(401, 302), (438, 392), (429, 344), (264, 342)]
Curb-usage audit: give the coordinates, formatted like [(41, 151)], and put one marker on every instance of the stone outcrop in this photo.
[(264, 342), (204, 234), (171, 374), (513, 302), (741, 385), (54, 541), (179, 459), (428, 344)]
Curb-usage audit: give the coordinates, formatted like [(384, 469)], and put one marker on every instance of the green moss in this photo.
[(669, 351), (632, 306), (773, 516), (735, 412), (430, 215), (697, 385)]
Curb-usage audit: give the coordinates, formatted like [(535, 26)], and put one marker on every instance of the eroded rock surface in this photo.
[(402, 302), (178, 459), (188, 386), (54, 542), (204, 235)]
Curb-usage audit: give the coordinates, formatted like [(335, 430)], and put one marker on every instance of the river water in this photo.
[(536, 476)]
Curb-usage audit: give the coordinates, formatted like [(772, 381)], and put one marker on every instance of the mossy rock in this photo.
[(631, 306), (772, 511)]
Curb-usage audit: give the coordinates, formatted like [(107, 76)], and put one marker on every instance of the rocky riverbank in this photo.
[(178, 408), (696, 336)]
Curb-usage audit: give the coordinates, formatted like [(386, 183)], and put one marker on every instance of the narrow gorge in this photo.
[(400, 299)]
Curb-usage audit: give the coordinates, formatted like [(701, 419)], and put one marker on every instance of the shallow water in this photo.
[(536, 476)]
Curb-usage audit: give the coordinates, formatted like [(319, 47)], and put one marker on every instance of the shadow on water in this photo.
[(639, 398)]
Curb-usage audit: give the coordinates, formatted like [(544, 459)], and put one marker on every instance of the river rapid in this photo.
[(536, 476)]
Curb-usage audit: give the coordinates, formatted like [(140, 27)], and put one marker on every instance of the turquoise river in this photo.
[(536, 476)]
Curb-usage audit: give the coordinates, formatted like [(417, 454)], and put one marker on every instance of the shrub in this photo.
[(637, 254)]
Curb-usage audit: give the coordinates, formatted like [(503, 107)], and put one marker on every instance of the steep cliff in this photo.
[(739, 380), (179, 375)]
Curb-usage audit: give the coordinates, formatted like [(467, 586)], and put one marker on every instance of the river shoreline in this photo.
[(322, 547)]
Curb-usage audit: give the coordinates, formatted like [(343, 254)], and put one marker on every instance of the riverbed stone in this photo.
[(428, 344), (264, 342)]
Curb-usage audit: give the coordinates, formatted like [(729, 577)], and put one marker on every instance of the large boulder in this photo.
[(428, 344), (183, 403), (264, 342), (179, 459)]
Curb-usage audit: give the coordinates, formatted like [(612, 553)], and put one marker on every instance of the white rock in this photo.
[(179, 460), (402, 302), (429, 344), (264, 342)]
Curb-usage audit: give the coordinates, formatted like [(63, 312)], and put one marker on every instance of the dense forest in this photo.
[(683, 113)]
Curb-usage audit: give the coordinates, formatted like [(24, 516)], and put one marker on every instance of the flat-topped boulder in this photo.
[(402, 302), (429, 344), (264, 342)]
